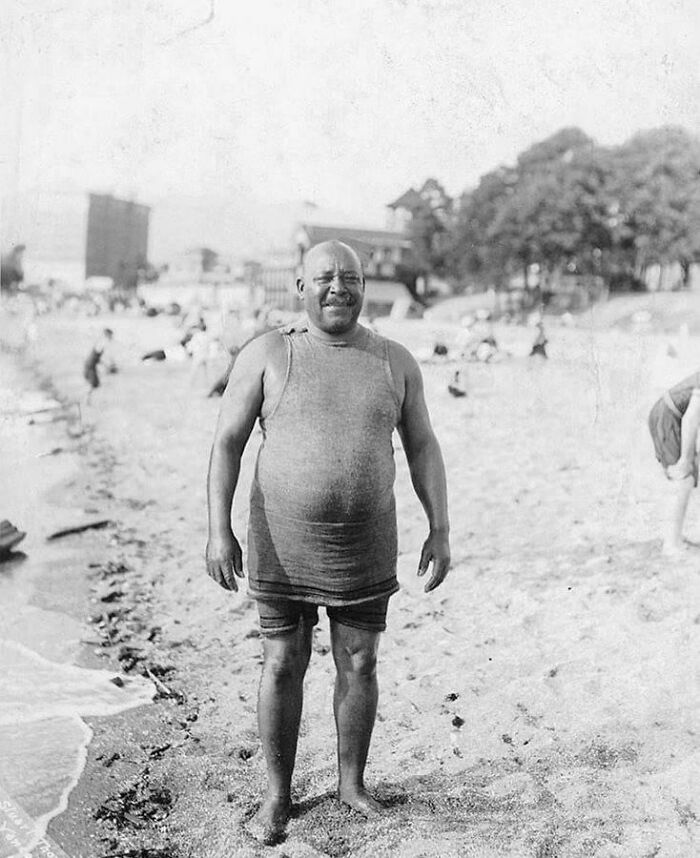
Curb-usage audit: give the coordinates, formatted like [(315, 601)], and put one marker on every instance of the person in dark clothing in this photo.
[(11, 269), (539, 347), (90, 373)]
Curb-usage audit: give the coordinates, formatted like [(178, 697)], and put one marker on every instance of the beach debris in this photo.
[(129, 656), (243, 752), (155, 752), (163, 689), (142, 852), (107, 762), (79, 528), (112, 595), (136, 806), (118, 681), (9, 537)]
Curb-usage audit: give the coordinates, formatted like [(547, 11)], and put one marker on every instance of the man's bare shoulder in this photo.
[(403, 364), (262, 349)]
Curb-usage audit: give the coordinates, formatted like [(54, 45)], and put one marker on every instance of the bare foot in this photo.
[(269, 825), (361, 801)]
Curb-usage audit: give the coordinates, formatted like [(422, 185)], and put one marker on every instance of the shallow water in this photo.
[(44, 694)]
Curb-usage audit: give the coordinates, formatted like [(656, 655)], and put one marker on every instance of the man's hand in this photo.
[(225, 560), (680, 470), (436, 548)]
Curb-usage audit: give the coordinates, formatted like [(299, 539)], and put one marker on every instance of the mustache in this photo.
[(338, 302)]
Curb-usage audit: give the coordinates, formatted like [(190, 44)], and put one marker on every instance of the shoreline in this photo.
[(43, 637)]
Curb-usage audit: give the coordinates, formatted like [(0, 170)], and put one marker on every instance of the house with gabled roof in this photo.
[(400, 213)]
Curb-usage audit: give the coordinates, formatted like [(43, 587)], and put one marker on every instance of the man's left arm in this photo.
[(426, 466)]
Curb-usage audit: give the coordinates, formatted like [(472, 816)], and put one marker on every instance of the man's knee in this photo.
[(355, 651), (284, 659), (363, 662)]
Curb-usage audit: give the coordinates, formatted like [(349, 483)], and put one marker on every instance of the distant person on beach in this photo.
[(199, 347), (456, 386), (539, 347), (97, 354), (11, 268), (674, 421), (174, 354), (322, 521)]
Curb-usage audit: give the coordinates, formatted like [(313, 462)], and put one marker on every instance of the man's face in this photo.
[(332, 289)]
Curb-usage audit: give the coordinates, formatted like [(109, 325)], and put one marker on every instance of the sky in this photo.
[(226, 127)]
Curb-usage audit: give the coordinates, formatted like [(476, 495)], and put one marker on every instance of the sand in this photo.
[(543, 702)]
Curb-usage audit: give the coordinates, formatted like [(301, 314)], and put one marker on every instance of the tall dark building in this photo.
[(117, 239)]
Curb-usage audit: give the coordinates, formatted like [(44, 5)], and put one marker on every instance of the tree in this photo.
[(657, 199), (569, 205), (545, 210), (429, 230)]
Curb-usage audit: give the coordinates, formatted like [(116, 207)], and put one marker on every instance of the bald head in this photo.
[(331, 250), (332, 287)]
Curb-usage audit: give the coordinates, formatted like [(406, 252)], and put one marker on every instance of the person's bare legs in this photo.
[(355, 708), (280, 700), (673, 538)]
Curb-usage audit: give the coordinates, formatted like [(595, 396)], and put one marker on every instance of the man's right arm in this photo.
[(240, 407)]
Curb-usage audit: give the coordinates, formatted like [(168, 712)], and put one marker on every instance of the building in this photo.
[(400, 213), (117, 239)]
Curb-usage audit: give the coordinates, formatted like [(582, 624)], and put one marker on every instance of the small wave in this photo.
[(43, 739)]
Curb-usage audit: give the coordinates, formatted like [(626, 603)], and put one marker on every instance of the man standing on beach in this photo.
[(322, 529)]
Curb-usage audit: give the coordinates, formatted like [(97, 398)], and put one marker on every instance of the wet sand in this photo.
[(543, 702), (51, 678)]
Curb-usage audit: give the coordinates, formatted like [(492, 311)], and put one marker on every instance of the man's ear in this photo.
[(300, 286)]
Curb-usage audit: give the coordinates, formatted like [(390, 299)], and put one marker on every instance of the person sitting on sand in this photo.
[(673, 422), (97, 354), (456, 387), (322, 522)]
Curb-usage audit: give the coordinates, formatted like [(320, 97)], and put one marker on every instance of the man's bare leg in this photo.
[(355, 708), (673, 539), (280, 700)]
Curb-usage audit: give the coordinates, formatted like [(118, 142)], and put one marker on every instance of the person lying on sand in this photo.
[(673, 422), (322, 522), (176, 354)]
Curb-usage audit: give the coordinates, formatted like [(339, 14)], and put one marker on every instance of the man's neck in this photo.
[(348, 336)]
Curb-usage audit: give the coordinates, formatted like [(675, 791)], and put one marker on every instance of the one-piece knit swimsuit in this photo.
[(322, 526)]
